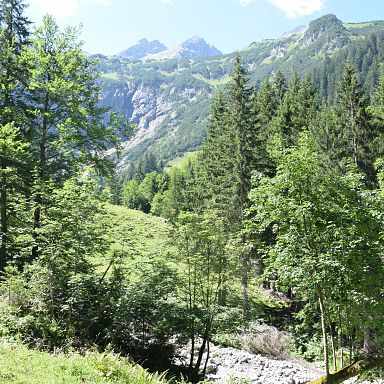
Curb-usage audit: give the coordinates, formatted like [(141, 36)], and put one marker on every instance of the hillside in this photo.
[(135, 235), (170, 99)]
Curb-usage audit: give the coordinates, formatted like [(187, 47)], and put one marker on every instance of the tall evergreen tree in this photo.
[(229, 158), (13, 38), (353, 133), (296, 110)]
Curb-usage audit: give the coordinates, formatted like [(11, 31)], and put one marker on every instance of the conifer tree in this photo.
[(353, 133), (13, 38), (296, 110), (217, 164), (279, 85), (229, 158), (264, 107)]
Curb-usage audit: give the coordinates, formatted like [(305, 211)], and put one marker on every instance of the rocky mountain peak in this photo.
[(326, 34), (192, 48), (326, 23), (143, 48)]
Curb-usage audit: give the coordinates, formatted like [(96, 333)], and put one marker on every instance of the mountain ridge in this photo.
[(169, 99)]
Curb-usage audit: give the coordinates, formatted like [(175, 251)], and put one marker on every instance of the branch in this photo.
[(349, 371)]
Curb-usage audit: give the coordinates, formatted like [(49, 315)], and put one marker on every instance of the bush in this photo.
[(265, 340)]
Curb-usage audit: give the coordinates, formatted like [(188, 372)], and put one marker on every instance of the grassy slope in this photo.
[(143, 237), (21, 365), (140, 237), (135, 235)]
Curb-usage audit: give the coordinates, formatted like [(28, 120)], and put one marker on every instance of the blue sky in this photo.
[(110, 26)]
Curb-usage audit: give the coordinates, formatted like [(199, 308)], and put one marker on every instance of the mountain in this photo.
[(191, 48), (298, 30), (143, 48), (169, 99)]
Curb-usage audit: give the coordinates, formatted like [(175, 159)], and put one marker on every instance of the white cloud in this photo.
[(63, 8), (297, 8), (292, 8), (245, 2), (166, 1)]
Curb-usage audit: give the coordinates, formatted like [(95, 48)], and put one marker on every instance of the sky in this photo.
[(110, 26)]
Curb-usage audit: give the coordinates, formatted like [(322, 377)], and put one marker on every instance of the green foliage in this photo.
[(67, 125), (206, 268), (133, 198), (327, 242), (46, 291), (21, 365)]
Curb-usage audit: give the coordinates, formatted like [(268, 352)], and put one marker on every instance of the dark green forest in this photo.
[(276, 219)]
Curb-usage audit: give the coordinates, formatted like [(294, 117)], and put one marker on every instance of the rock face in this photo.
[(143, 48), (326, 34), (190, 49)]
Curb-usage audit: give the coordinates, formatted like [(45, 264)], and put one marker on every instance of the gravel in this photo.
[(234, 366)]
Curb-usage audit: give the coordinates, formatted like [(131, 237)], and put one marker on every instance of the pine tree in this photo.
[(296, 110), (264, 106), (217, 164), (13, 38), (353, 133), (279, 84), (228, 159)]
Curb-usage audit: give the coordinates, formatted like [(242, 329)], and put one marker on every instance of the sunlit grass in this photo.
[(21, 365)]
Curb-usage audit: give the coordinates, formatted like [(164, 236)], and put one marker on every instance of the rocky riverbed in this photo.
[(234, 366)]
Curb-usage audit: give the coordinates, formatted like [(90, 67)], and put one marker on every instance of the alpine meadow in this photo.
[(182, 215)]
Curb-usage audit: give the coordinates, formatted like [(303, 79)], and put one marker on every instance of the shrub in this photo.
[(265, 340)]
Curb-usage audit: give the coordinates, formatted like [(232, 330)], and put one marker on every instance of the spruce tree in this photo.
[(264, 106), (353, 133), (228, 159), (296, 110), (13, 38)]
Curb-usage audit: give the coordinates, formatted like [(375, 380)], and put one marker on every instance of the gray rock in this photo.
[(226, 364), (143, 48), (192, 48)]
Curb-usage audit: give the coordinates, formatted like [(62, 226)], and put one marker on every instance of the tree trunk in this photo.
[(4, 221), (204, 343), (332, 332), (351, 370), (324, 330), (341, 341), (244, 283), (206, 359)]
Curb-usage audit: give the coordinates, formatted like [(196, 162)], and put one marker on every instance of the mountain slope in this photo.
[(169, 99)]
